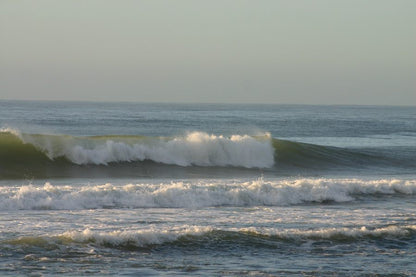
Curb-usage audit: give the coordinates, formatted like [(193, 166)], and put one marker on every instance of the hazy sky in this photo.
[(302, 52)]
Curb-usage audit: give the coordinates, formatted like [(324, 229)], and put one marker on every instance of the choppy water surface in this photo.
[(206, 190)]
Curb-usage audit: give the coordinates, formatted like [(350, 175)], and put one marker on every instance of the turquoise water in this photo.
[(206, 190)]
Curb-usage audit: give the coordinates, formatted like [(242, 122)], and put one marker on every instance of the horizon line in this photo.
[(200, 103)]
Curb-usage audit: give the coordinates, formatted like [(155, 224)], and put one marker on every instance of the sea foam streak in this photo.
[(199, 193), (194, 148)]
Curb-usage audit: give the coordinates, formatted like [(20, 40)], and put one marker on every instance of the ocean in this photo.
[(147, 189)]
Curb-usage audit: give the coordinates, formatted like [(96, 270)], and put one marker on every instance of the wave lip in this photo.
[(199, 194)]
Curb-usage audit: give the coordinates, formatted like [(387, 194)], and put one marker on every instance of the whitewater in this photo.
[(132, 189), (198, 194)]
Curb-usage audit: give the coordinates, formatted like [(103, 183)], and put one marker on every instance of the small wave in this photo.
[(336, 234), (190, 235), (138, 238), (199, 194), (117, 239)]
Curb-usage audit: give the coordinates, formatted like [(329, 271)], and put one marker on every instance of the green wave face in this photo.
[(40, 156), (18, 159), (305, 155)]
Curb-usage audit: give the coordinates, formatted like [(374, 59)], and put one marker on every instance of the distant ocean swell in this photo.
[(42, 155), (196, 194), (193, 235)]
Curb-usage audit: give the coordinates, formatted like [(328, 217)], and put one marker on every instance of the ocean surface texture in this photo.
[(103, 189)]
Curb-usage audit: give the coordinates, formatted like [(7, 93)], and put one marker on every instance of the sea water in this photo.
[(138, 189)]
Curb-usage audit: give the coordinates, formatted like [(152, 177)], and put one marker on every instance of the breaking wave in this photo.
[(199, 194), (41, 155), (192, 149)]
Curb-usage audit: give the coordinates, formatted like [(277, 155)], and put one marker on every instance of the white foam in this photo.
[(195, 148), (196, 193)]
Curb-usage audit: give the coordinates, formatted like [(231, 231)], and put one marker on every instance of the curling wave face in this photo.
[(39, 154), (196, 148)]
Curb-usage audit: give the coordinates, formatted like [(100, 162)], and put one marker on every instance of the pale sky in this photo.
[(294, 51)]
